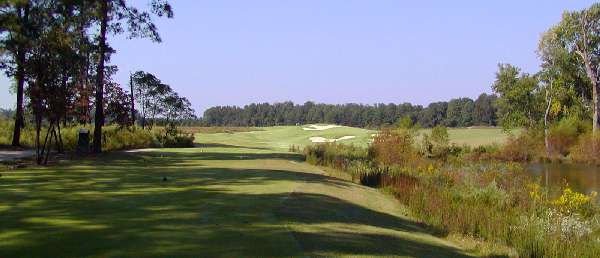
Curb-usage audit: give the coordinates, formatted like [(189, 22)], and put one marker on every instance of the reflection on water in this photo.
[(581, 178)]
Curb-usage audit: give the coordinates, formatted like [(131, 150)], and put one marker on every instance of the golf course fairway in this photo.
[(223, 199)]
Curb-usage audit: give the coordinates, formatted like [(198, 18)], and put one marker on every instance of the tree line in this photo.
[(460, 112), (58, 54), (565, 88)]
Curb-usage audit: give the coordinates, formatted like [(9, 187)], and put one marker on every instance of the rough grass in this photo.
[(221, 201)]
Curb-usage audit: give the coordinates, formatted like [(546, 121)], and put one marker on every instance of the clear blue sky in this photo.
[(336, 51)]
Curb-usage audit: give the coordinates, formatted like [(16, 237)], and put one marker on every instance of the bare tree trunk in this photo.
[(595, 106), (132, 100), (62, 145), (19, 120), (45, 144), (48, 143), (99, 119), (144, 104), (546, 114), (590, 71), (38, 129), (594, 79)]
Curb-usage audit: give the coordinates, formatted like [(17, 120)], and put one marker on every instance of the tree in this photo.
[(117, 104), (579, 33), (176, 109), (459, 112), (434, 114), (518, 101), (110, 14), (15, 37), (484, 110), (146, 84), (50, 68)]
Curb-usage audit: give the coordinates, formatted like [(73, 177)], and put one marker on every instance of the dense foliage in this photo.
[(58, 54), (459, 112)]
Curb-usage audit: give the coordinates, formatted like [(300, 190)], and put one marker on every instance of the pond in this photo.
[(580, 177)]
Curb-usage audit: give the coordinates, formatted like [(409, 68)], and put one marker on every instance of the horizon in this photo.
[(334, 53)]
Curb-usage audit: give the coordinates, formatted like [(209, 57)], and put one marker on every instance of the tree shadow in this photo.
[(198, 156), (122, 208)]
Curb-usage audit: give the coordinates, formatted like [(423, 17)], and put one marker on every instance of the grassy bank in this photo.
[(495, 201)]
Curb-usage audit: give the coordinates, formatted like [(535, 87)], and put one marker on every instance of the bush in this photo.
[(483, 152), (437, 144), (528, 146), (563, 135), (587, 149), (176, 140), (394, 148)]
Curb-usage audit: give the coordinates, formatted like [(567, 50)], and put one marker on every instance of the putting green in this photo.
[(224, 201)]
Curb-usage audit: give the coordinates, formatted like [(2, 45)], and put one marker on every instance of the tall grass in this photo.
[(6, 130), (114, 137), (492, 200)]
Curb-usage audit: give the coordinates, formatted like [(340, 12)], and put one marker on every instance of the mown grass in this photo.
[(217, 201), (282, 137)]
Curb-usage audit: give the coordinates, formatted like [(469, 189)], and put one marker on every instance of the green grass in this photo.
[(280, 138), (476, 136), (237, 198)]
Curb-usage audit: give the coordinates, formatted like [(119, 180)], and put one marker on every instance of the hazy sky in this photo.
[(336, 51)]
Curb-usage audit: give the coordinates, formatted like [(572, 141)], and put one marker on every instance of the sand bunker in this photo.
[(322, 139), (319, 127)]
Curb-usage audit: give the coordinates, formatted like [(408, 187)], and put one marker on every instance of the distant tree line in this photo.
[(460, 112)]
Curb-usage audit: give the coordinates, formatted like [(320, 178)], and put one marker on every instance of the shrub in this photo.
[(527, 146), (587, 149), (563, 135), (483, 152), (176, 140), (394, 148), (437, 144)]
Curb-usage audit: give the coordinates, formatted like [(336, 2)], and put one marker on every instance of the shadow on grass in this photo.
[(198, 156), (122, 208)]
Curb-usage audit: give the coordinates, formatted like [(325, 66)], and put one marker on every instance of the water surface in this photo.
[(580, 177)]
